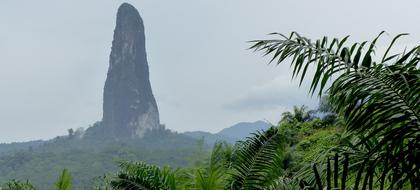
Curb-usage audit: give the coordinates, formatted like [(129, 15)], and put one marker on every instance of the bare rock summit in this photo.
[(129, 107)]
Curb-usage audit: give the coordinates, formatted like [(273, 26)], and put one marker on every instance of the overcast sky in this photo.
[(54, 58)]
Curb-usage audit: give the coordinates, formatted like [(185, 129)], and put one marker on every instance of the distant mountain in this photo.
[(244, 129), (209, 138), (231, 134)]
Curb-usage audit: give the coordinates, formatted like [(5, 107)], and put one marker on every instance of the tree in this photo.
[(378, 97), (255, 163), (17, 185), (213, 176), (141, 176), (299, 114), (71, 132)]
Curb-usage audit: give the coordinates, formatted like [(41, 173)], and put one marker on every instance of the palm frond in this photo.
[(385, 108), (213, 177), (257, 161), (141, 176), (329, 58), (378, 99), (64, 182)]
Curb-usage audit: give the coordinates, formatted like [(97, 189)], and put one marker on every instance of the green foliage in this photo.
[(264, 160), (371, 116), (102, 183), (138, 175), (285, 182), (88, 157), (200, 156), (17, 185), (378, 99), (64, 182), (298, 115), (307, 142), (213, 176), (320, 141), (257, 161)]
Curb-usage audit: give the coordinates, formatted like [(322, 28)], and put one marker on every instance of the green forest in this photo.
[(364, 135), (90, 157)]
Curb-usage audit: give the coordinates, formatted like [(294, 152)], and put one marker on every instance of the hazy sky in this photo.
[(54, 57)]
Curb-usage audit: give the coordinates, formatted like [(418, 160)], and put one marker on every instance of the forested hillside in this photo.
[(89, 158), (364, 133), (6, 148), (364, 136)]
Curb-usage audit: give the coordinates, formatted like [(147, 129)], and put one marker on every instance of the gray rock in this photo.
[(129, 107)]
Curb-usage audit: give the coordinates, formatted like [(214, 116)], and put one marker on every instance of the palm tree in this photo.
[(299, 115), (255, 163), (213, 177), (378, 98), (141, 176)]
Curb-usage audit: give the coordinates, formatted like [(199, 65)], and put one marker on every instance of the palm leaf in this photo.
[(213, 177), (379, 100), (64, 182), (257, 161), (141, 176)]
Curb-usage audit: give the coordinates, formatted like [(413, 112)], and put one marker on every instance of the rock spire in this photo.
[(129, 107)]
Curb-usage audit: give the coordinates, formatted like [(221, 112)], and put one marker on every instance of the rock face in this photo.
[(129, 107)]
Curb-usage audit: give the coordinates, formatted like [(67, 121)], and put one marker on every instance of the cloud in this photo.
[(53, 67), (279, 92)]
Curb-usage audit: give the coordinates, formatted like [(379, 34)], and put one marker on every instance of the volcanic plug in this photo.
[(129, 107)]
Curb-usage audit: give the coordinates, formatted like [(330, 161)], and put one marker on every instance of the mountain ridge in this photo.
[(230, 134)]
